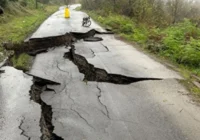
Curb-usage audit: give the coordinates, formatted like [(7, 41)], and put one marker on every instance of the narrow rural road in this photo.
[(105, 90)]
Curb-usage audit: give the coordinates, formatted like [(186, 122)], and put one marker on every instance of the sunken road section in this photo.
[(40, 85), (95, 74)]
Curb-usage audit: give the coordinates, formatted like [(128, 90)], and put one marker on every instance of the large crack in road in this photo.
[(46, 115), (102, 83), (91, 73), (35, 46), (23, 131), (38, 45), (100, 75), (106, 113)]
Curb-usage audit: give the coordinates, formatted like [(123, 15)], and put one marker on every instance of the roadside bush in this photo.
[(189, 56), (179, 42), (183, 46), (21, 62), (155, 35), (155, 47), (120, 24), (2, 3), (127, 28), (123, 25), (23, 3), (141, 34)]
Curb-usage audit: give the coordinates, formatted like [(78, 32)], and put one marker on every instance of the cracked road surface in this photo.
[(57, 25), (19, 117), (84, 109)]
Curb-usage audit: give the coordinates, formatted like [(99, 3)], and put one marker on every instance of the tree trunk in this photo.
[(36, 4), (1, 11), (114, 4), (175, 11)]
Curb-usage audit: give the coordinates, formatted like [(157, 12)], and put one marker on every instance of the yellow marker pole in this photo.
[(67, 13)]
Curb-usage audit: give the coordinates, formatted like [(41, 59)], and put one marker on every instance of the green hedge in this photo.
[(179, 43)]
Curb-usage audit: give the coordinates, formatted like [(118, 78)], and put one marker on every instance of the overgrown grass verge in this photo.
[(14, 28), (22, 62), (20, 26), (178, 44)]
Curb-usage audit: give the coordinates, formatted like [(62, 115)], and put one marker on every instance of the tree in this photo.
[(149, 11)]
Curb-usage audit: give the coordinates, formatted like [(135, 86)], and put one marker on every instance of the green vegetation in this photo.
[(19, 20), (22, 62), (182, 44), (152, 12), (179, 43), (125, 26), (17, 28), (170, 29)]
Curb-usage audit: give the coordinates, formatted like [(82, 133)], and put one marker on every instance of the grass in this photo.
[(15, 28), (178, 44), (22, 62), (19, 27)]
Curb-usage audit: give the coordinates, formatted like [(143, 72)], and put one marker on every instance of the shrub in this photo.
[(156, 47), (182, 43), (23, 3), (141, 34), (2, 3), (127, 28), (179, 42), (21, 62)]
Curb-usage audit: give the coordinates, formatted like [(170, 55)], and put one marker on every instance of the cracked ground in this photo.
[(72, 104), (90, 110)]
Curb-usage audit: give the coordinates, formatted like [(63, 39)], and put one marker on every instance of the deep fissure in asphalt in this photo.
[(35, 46), (40, 85), (95, 74), (38, 45)]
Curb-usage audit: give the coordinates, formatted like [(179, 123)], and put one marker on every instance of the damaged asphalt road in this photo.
[(19, 116), (105, 90)]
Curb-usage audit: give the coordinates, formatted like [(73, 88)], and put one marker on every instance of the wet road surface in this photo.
[(88, 108), (19, 116)]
